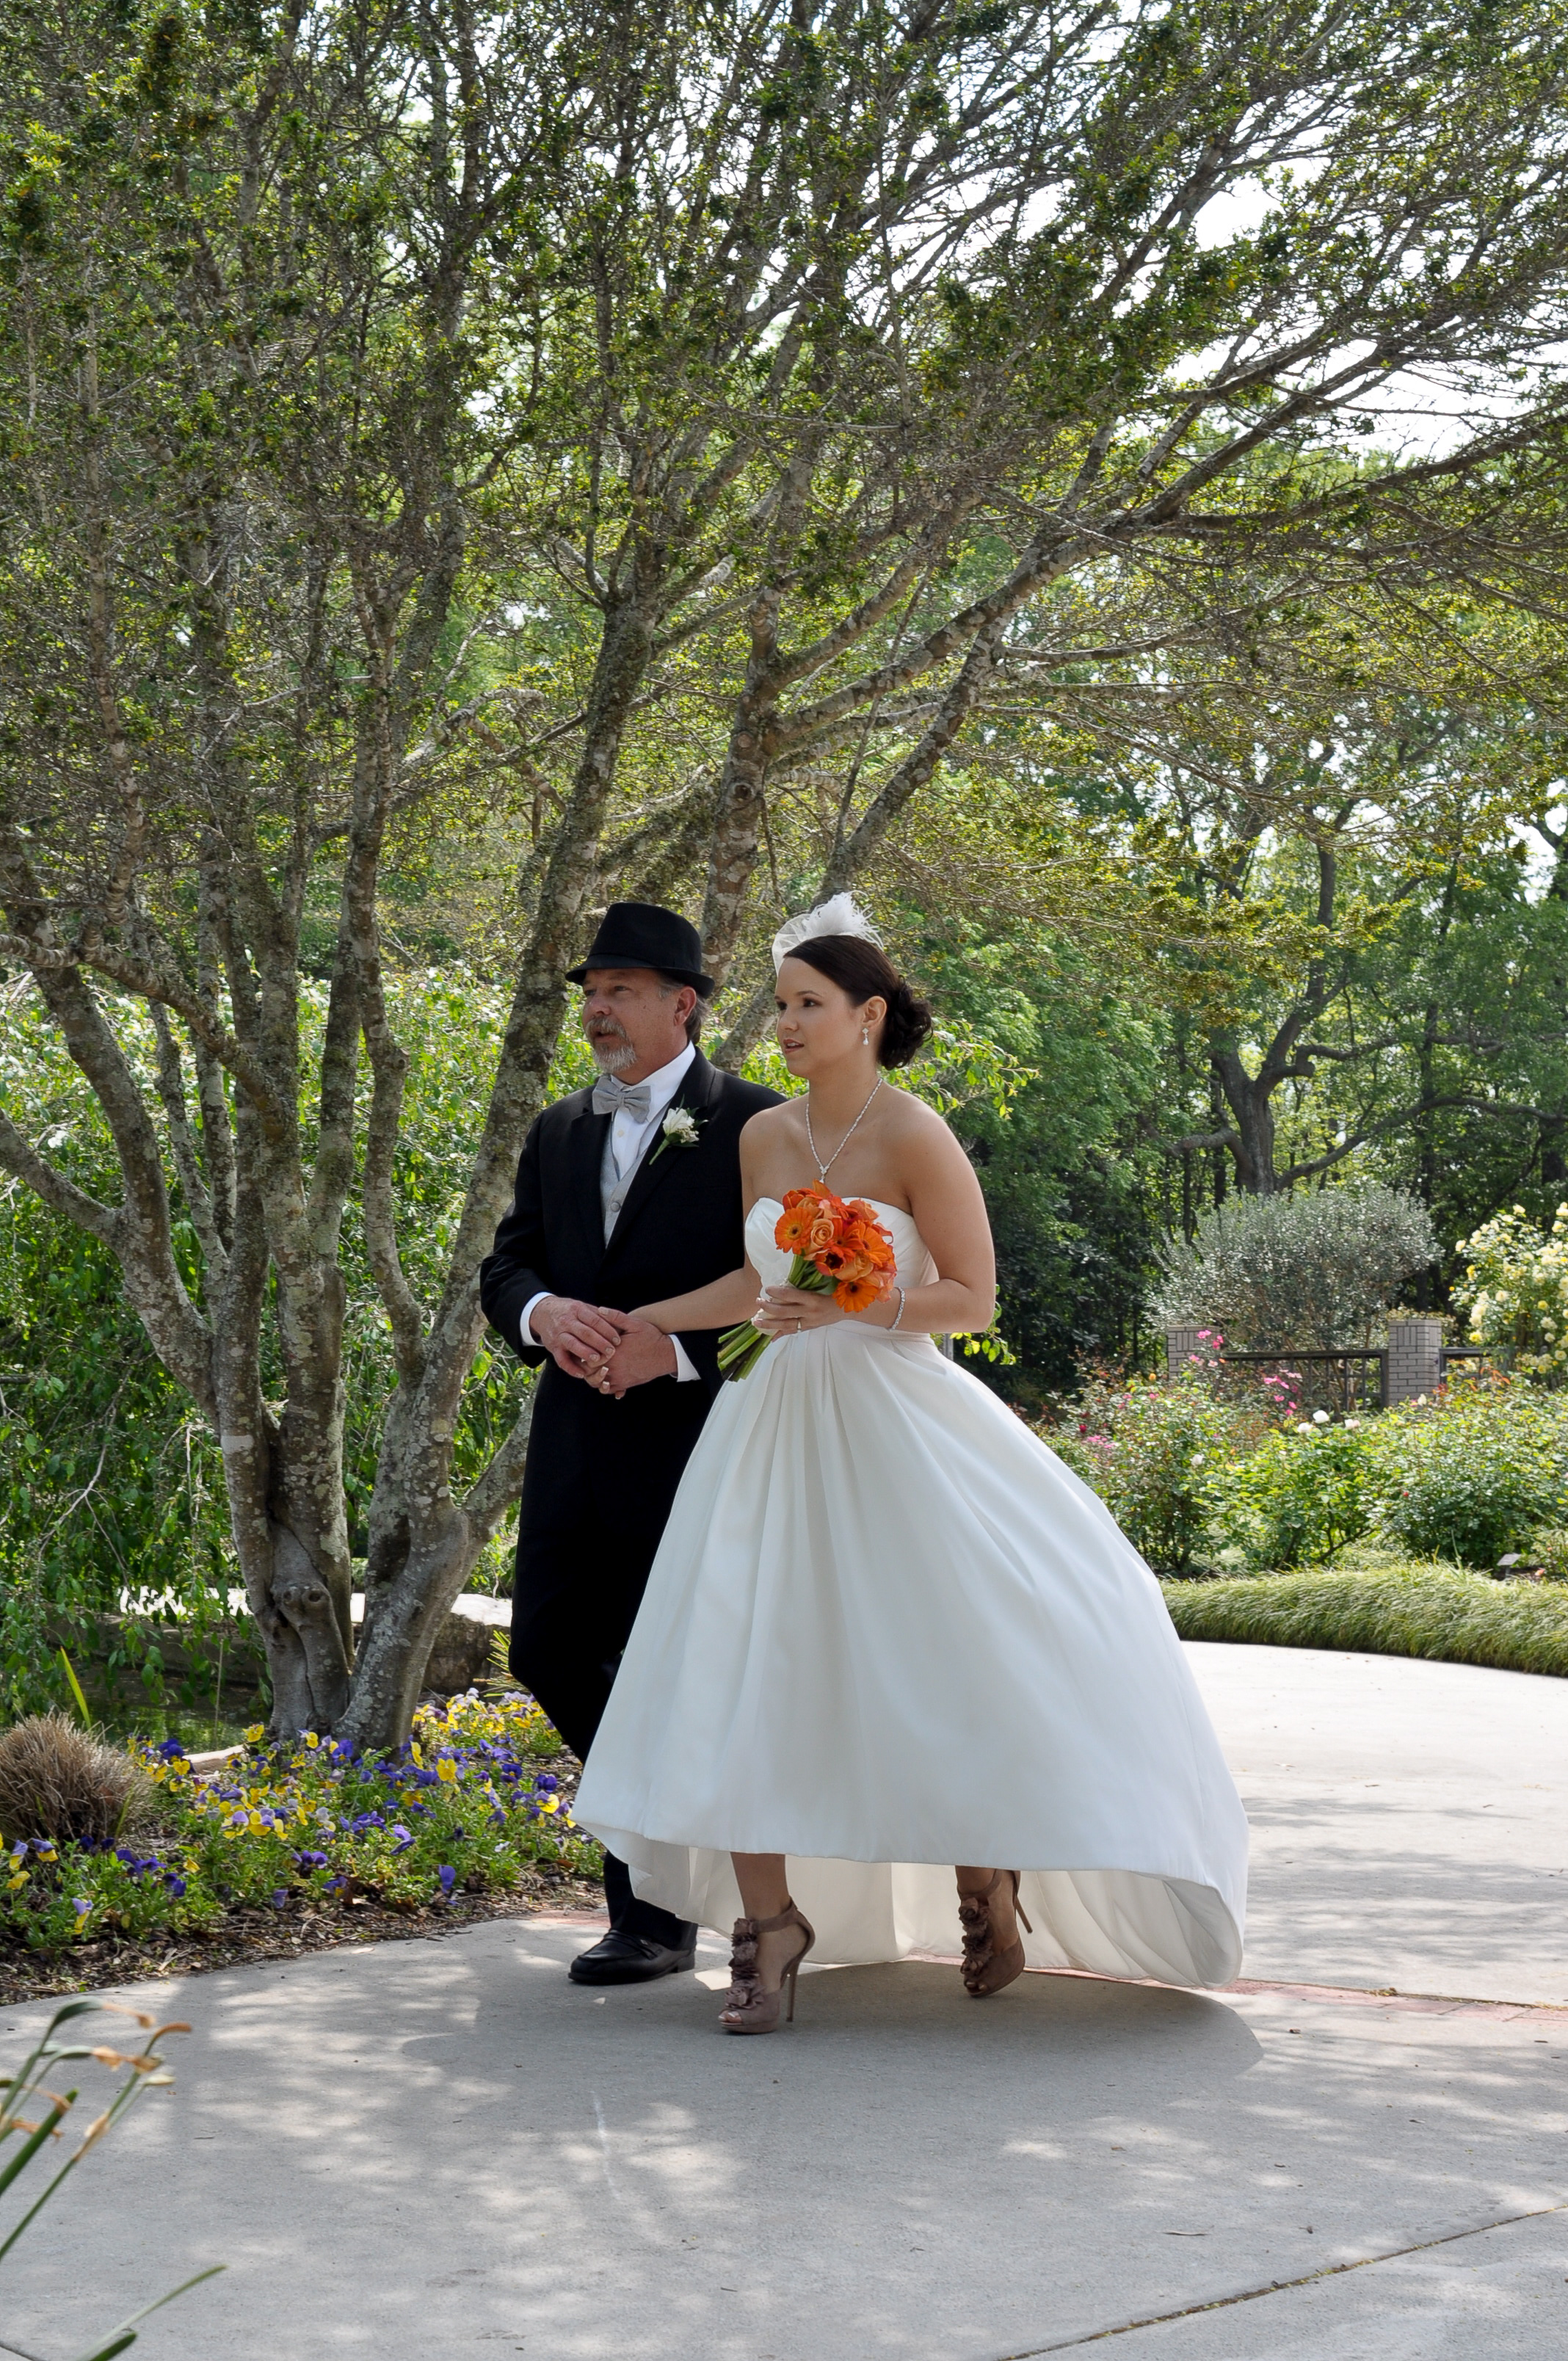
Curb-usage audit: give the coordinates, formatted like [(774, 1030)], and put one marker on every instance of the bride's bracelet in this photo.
[(899, 1314)]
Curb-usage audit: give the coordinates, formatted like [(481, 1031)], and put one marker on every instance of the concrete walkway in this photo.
[(426, 2149), (1409, 1821)]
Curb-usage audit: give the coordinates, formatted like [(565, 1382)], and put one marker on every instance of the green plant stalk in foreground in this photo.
[(33, 2113), (1439, 1612)]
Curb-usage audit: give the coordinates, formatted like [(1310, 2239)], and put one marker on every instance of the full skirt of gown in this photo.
[(887, 1632)]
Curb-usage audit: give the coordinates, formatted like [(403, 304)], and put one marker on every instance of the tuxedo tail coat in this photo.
[(601, 1474)]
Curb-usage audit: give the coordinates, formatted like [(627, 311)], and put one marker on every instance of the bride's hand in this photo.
[(786, 1311)]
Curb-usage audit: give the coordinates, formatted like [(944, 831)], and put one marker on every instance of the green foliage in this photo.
[(1546, 1552), (1151, 1451), (1309, 1270), (1416, 1611), (113, 1491), (1471, 1480), (1299, 1498), (961, 1071), (1467, 1479), (113, 1506), (1516, 1291), (1065, 1179)]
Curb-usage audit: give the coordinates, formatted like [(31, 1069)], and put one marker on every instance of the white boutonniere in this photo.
[(679, 1129)]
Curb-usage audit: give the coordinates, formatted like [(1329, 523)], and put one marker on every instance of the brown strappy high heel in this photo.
[(985, 1968), (749, 2008)]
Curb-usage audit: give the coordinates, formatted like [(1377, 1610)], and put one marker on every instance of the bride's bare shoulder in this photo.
[(913, 1119), (768, 1122)]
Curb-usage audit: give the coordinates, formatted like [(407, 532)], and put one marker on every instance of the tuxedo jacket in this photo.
[(601, 1474)]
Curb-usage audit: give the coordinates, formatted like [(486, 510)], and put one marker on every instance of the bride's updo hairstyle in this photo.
[(864, 971)]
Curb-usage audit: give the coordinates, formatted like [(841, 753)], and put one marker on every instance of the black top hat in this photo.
[(640, 934)]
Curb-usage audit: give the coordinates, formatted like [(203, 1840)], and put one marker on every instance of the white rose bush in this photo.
[(1515, 1291)]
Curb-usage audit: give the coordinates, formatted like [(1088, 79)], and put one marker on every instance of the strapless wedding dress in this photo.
[(887, 1632)]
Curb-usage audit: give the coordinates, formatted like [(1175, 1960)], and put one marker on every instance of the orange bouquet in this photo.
[(841, 1249)]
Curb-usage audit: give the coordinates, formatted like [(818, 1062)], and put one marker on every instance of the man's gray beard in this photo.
[(612, 1055)]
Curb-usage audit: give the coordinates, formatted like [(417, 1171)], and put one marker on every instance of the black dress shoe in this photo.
[(618, 1958)]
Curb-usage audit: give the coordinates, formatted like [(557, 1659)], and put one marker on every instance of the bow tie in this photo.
[(614, 1097)]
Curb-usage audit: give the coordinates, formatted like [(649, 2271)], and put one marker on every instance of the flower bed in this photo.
[(1418, 1610), (477, 1804), (1196, 1481)]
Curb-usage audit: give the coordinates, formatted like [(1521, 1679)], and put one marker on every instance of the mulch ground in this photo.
[(245, 1935)]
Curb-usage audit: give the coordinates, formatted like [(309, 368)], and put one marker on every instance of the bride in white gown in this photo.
[(887, 1630)]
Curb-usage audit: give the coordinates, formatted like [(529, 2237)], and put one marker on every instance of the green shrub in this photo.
[(1281, 1272), (1151, 1452), (1470, 1479), (1301, 1497), (1423, 1610)]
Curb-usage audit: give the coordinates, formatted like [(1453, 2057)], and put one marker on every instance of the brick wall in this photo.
[(1414, 1363)]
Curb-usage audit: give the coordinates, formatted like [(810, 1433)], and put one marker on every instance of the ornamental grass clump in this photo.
[(1434, 1612), (466, 1807), (58, 1783)]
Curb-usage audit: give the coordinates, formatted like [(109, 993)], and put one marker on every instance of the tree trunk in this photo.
[(1248, 1100)]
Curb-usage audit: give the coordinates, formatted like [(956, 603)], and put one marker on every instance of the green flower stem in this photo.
[(741, 1349)]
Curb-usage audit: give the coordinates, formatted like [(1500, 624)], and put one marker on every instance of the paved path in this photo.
[(424, 2150), (1409, 1821)]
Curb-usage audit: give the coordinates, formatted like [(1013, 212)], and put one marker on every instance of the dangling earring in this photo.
[(866, 1036)]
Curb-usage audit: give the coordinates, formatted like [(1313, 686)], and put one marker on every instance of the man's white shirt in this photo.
[(623, 1152)]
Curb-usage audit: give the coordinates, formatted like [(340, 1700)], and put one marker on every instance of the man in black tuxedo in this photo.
[(626, 1193)]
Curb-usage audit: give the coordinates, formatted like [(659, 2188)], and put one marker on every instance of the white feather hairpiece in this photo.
[(841, 916)]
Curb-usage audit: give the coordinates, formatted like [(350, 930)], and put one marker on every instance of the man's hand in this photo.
[(643, 1352), (580, 1337)]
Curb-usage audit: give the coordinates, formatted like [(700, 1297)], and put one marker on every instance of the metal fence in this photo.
[(1412, 1365), (1356, 1380)]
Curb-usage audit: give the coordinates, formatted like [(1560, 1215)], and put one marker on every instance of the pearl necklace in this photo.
[(823, 1169)]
